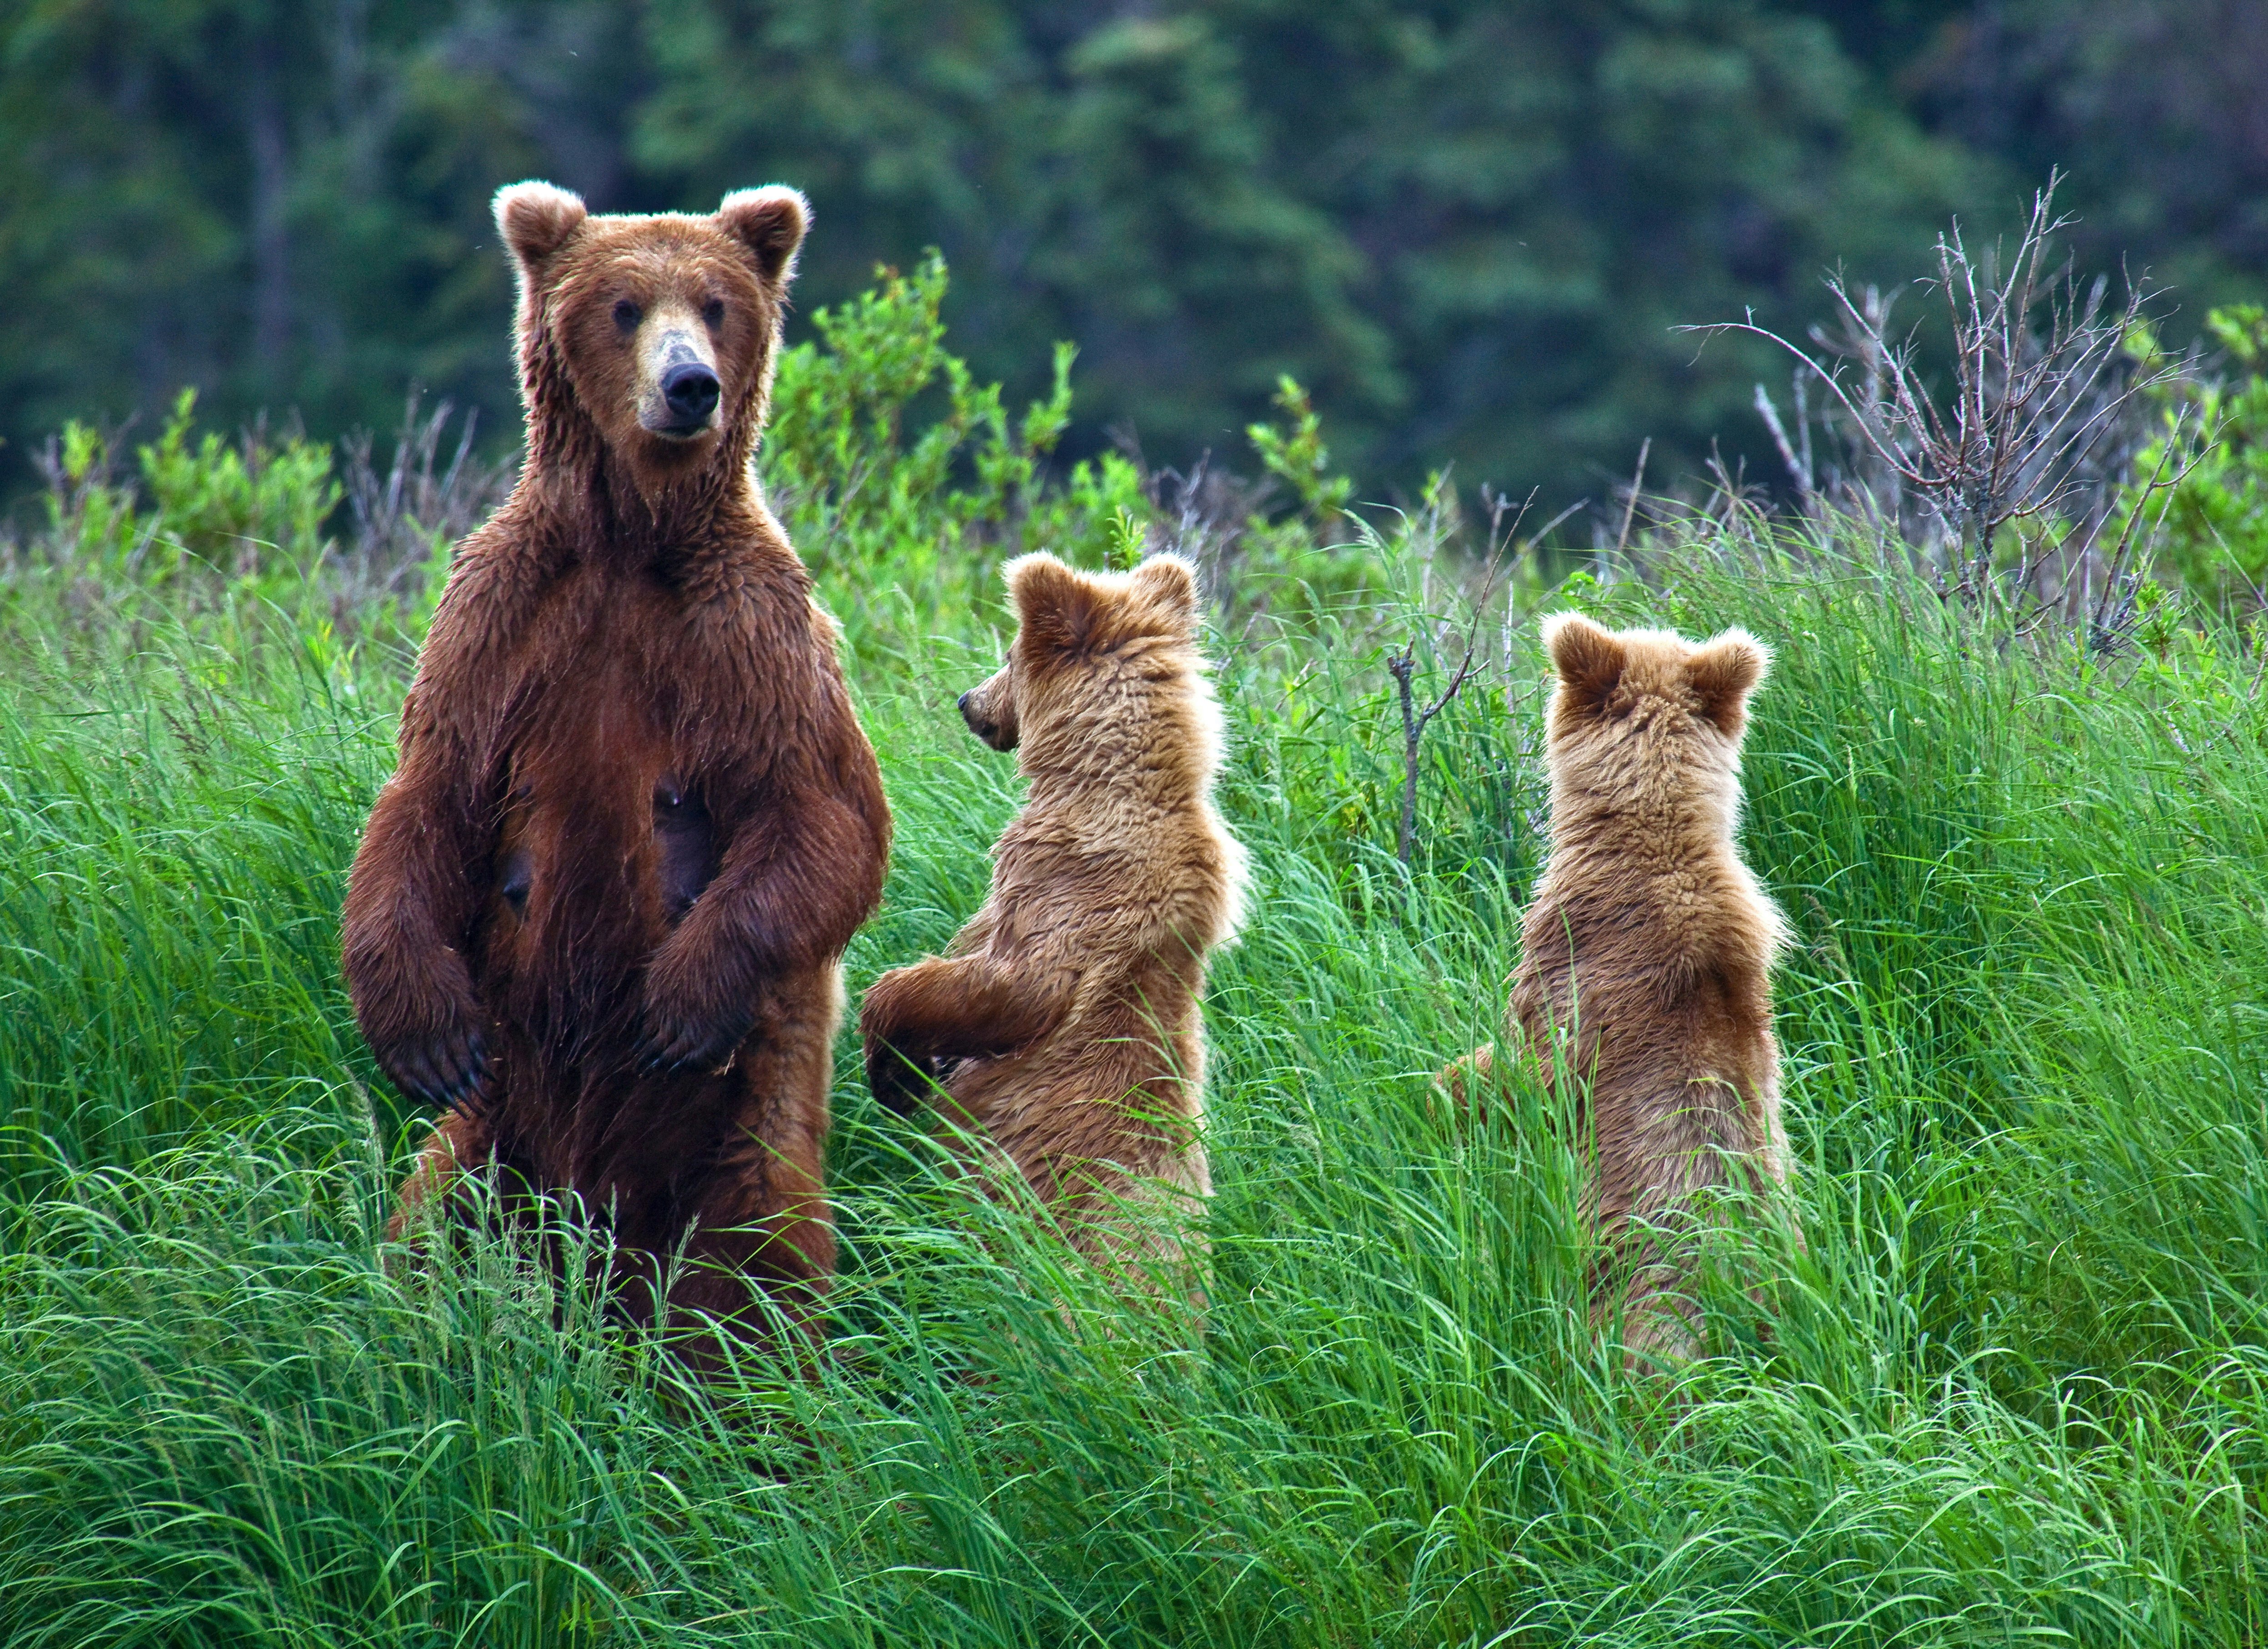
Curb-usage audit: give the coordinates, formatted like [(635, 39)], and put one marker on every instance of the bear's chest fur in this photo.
[(628, 722)]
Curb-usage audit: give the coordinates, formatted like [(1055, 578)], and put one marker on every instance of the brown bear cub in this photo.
[(1063, 1020), (1648, 947), (599, 907)]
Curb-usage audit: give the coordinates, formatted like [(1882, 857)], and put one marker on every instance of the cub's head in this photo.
[(1104, 666), (661, 331), (1639, 714)]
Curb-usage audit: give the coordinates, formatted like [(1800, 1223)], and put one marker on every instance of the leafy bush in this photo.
[(2211, 528), (863, 488), (226, 504), (899, 477), (239, 509)]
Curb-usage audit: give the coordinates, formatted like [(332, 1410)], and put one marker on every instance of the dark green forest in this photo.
[(1468, 227)]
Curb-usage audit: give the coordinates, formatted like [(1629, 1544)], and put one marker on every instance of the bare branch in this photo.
[(1403, 666), (1629, 505), (2042, 385), (1799, 467)]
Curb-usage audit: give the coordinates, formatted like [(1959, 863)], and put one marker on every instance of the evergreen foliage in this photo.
[(1466, 228)]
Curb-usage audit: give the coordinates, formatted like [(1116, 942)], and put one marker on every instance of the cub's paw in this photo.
[(898, 1083), (443, 1067)]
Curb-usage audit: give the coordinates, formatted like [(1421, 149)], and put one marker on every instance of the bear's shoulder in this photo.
[(745, 569)]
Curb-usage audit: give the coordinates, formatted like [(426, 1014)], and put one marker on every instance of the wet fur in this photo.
[(1065, 1021), (599, 907)]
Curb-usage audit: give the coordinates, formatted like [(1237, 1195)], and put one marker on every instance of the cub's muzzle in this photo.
[(972, 711)]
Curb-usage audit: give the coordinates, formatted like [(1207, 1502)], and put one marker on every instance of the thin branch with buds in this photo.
[(2114, 612)]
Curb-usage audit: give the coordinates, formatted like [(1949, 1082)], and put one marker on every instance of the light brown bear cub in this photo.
[(1063, 1020), (1648, 947)]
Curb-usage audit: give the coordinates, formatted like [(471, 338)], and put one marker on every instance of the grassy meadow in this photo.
[(2014, 1386)]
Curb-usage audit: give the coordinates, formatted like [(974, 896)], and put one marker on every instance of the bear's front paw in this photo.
[(443, 1067), (898, 1083), (680, 1041)]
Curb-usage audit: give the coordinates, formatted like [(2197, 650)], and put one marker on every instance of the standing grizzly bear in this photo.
[(1648, 948), (1064, 1020), (599, 907)]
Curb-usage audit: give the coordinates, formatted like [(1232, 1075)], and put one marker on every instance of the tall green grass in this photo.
[(2014, 1386)]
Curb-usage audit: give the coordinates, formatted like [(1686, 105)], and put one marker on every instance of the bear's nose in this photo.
[(962, 701), (690, 391)]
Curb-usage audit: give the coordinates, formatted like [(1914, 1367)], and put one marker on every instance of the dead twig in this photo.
[(1403, 666), (399, 514), (1630, 504), (1798, 464), (2040, 386)]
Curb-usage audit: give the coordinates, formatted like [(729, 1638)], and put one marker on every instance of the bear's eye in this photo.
[(713, 311), (627, 314)]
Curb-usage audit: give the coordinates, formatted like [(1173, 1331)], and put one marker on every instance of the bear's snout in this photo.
[(681, 386), (977, 724), (972, 711), (990, 709), (689, 390)]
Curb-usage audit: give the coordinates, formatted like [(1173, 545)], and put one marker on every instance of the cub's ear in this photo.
[(1055, 608), (536, 220), (1724, 672), (1589, 660), (770, 222), (1169, 584)]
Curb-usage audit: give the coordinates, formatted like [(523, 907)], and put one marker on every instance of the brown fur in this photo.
[(1648, 946), (1064, 1019), (600, 903)]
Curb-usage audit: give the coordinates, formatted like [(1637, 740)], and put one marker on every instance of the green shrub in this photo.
[(240, 508), (866, 489), (2210, 530)]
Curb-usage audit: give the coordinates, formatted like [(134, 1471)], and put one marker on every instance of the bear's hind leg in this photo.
[(763, 1215), (459, 1141)]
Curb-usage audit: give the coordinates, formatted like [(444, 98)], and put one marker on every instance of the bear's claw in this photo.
[(442, 1070), (688, 1045)]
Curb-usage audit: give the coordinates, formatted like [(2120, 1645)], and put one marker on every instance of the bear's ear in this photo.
[(1055, 608), (1589, 660), (770, 222), (1170, 585), (536, 220), (1724, 672)]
